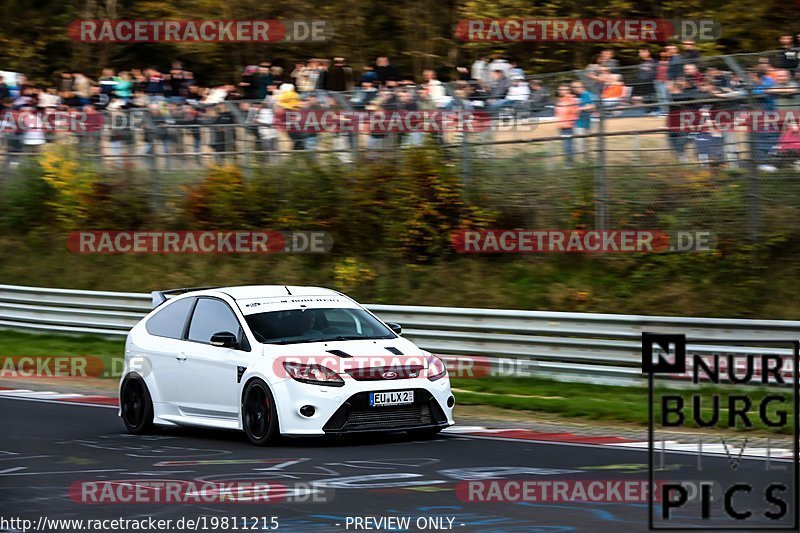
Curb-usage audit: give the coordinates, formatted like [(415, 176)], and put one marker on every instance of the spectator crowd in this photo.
[(179, 115), (678, 80)]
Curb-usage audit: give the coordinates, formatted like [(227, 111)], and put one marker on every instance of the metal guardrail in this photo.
[(601, 348)]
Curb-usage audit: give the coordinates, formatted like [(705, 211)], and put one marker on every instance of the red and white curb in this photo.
[(68, 397), (733, 448), (527, 434)]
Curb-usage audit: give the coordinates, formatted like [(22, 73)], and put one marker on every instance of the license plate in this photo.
[(402, 397)]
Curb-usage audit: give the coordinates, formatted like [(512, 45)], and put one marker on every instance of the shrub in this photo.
[(26, 199), (428, 197), (72, 182), (405, 207), (349, 274), (219, 200)]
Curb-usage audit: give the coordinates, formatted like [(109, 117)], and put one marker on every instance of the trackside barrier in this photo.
[(600, 348)]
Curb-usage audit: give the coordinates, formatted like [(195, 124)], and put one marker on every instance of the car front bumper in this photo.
[(346, 409)]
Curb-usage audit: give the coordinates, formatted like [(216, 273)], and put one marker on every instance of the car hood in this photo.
[(363, 353)]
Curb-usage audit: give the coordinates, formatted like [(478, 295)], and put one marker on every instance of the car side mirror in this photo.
[(224, 339), (394, 326)]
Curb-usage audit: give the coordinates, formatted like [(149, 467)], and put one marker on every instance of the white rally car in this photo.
[(278, 360)]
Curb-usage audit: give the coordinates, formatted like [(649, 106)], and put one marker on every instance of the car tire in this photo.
[(423, 434), (259, 414), (136, 406)]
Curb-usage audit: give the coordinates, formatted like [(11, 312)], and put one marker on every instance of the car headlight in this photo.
[(313, 374), (436, 368)]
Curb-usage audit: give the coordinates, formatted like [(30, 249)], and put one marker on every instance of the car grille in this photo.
[(356, 415), (397, 417), (379, 373)]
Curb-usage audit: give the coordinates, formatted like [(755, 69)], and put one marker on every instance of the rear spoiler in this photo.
[(159, 297)]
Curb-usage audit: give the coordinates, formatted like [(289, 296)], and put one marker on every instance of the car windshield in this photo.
[(293, 326)]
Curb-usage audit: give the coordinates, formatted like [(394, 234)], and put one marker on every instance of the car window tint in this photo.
[(212, 316), (316, 325), (170, 321)]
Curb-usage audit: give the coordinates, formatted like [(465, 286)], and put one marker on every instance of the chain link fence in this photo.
[(630, 168)]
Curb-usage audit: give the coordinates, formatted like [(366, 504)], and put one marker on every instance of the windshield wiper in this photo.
[(353, 338), (329, 339), (299, 341)]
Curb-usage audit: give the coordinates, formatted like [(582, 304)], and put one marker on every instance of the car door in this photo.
[(166, 329), (208, 378)]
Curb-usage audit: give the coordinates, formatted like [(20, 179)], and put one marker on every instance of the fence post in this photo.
[(751, 165), (465, 171), (600, 184), (246, 146), (753, 206)]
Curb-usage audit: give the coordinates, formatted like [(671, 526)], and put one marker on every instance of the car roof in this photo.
[(252, 298), (248, 292)]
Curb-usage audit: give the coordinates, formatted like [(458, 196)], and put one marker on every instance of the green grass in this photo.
[(107, 350), (580, 400)]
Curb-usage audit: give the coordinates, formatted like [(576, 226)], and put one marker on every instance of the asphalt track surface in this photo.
[(45, 447)]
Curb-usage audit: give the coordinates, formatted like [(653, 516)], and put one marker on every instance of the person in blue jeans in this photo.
[(765, 139), (586, 106), (566, 111)]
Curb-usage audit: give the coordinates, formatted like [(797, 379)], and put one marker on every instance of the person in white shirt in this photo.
[(33, 132), (519, 91), (480, 70), (435, 90), (266, 128), (501, 65), (215, 96), (49, 99)]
